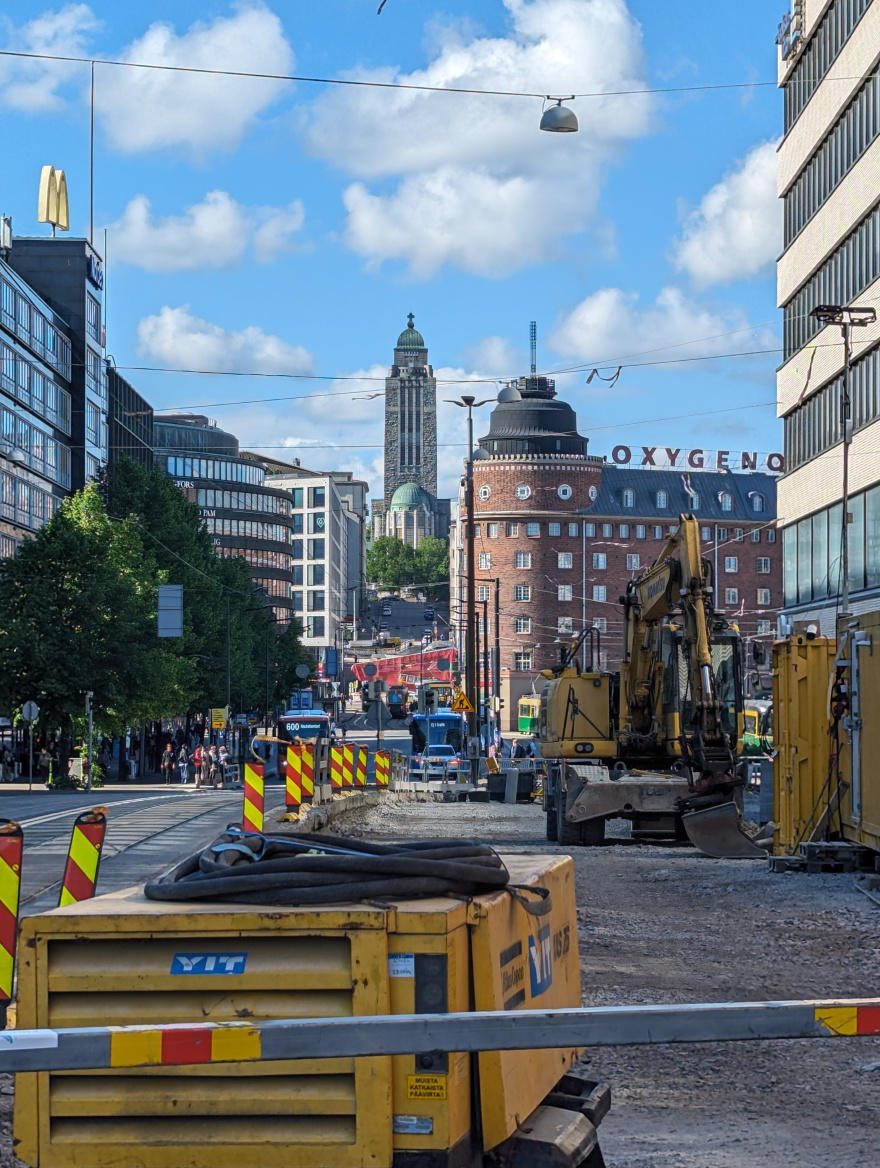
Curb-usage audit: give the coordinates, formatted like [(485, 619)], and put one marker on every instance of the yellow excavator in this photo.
[(657, 741)]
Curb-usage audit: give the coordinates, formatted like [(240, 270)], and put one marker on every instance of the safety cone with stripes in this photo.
[(336, 768), (84, 857), (348, 766), (293, 779), (307, 773), (383, 766), (11, 843), (360, 766), (252, 812)]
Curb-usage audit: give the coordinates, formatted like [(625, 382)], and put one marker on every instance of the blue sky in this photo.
[(266, 226)]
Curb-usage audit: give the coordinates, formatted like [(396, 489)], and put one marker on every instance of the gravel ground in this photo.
[(665, 924)]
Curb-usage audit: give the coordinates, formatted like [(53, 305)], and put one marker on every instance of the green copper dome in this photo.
[(410, 497), (410, 338)]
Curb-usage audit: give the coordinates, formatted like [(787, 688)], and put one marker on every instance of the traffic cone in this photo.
[(83, 857), (11, 844), (252, 812)]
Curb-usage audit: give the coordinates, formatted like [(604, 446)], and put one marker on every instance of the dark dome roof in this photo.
[(537, 424), (410, 338)]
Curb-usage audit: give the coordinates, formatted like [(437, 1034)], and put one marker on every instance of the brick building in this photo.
[(562, 532)]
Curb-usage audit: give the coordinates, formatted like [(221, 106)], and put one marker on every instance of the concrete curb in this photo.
[(319, 816)]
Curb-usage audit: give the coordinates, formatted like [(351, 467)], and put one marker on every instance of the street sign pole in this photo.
[(30, 711)]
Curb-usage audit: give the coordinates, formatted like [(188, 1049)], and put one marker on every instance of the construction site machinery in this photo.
[(657, 741), (164, 1101)]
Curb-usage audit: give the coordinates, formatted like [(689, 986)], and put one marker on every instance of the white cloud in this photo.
[(147, 109), (31, 86), (212, 234), (179, 340), (480, 186), (609, 326), (737, 228)]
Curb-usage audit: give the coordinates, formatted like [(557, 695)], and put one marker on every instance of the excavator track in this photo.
[(715, 831)]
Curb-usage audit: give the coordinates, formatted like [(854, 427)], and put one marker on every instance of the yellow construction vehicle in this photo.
[(657, 741)]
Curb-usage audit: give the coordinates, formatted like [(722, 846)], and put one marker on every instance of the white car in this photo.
[(437, 762)]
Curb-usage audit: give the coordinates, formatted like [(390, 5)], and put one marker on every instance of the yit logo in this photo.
[(541, 962), (212, 963)]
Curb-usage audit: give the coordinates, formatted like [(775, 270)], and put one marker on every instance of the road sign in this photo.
[(219, 717), (370, 670), (31, 711), (461, 705), (302, 671)]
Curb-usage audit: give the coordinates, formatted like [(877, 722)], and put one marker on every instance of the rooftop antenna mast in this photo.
[(533, 344)]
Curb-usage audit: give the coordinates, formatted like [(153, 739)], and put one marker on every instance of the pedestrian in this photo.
[(212, 765), (167, 764), (197, 755), (183, 764), (223, 764)]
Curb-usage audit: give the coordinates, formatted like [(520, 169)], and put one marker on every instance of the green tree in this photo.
[(432, 565), (391, 563)]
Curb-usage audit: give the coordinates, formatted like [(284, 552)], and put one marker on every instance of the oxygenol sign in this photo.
[(672, 458)]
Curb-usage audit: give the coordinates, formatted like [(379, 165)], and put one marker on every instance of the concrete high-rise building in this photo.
[(829, 181)]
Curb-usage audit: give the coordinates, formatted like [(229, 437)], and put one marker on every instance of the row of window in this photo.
[(31, 326), (259, 557), (815, 425), (42, 452), (184, 467), (316, 496), (812, 550), (316, 522), (817, 58), (731, 596), (252, 528), (762, 564), (96, 376), (277, 588), (842, 147), (8, 546), (624, 530), (242, 501), (565, 560), (316, 601), (524, 491), (96, 426), (314, 626), (25, 504), (845, 274), (315, 575), (31, 386)]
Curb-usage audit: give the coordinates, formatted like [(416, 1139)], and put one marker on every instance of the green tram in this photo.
[(757, 739), (528, 714)]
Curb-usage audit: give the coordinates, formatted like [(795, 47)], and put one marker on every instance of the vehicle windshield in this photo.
[(444, 732), (305, 728)]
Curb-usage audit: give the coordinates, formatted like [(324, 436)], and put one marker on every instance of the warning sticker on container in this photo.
[(413, 1125), (401, 965), (426, 1086), (28, 1039)]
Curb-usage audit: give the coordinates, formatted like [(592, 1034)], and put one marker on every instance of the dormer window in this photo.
[(629, 498), (757, 502), (726, 501), (662, 500), (695, 501)]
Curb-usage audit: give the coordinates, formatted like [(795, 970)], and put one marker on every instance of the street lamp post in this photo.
[(847, 318)]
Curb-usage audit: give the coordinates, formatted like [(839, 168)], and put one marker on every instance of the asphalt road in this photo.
[(149, 829)]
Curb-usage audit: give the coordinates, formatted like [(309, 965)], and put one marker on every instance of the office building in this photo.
[(244, 514), (560, 533), (131, 422), (828, 172)]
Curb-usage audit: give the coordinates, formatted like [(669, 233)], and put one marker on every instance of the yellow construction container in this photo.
[(801, 672), (859, 639), (124, 960)]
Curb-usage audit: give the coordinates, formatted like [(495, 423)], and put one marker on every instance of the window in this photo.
[(533, 529), (731, 564), (317, 522), (478, 531), (629, 498), (315, 626), (564, 491), (722, 535), (564, 624), (522, 560), (316, 573), (600, 623), (821, 51), (593, 493), (563, 559), (93, 423), (731, 596), (764, 628), (726, 501), (522, 624), (607, 530), (492, 530), (485, 492), (297, 523), (296, 549), (574, 529), (771, 535), (640, 531), (316, 549), (94, 373), (757, 502), (297, 571), (589, 530), (483, 592), (599, 593), (763, 565), (522, 662), (297, 493), (633, 563), (755, 535), (554, 529), (317, 601), (317, 496), (624, 531), (564, 592), (297, 598), (695, 500), (738, 535), (705, 533), (658, 532), (484, 560), (522, 592), (93, 318), (512, 529), (764, 597), (662, 500), (523, 491), (600, 562)]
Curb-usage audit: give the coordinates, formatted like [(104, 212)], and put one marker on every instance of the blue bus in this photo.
[(444, 753)]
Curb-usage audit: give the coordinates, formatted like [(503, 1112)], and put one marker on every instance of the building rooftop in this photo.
[(409, 497), (410, 338), (679, 486)]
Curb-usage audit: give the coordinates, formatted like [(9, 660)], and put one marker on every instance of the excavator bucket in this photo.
[(715, 831)]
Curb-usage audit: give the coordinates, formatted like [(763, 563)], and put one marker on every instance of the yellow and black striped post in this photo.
[(252, 812), (383, 766), (307, 758), (348, 766), (293, 778), (84, 857), (336, 765), (360, 766), (11, 844)]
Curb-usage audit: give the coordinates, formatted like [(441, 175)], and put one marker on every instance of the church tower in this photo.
[(410, 416)]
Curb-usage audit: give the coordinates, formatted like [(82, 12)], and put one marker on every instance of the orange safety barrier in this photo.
[(336, 768), (83, 857), (293, 778), (360, 768), (252, 812), (11, 844), (348, 765), (383, 766), (307, 759)]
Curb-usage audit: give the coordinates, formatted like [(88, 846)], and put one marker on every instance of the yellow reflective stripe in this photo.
[(254, 781), (253, 814), (7, 964), (839, 1019), (67, 897), (9, 882), (84, 854), (234, 1045), (142, 1048)]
